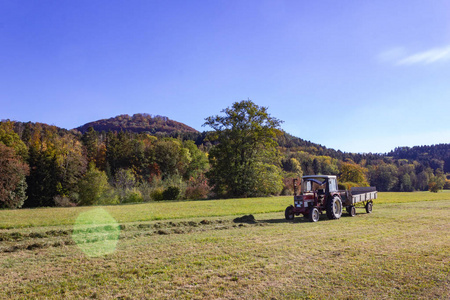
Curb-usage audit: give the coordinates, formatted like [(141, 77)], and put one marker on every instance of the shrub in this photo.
[(108, 197), (145, 189), (286, 191), (199, 191), (157, 194), (132, 196), (447, 185), (197, 188), (288, 184), (171, 193), (63, 201)]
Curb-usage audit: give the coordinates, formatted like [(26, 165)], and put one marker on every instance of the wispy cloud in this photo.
[(427, 57), (392, 55)]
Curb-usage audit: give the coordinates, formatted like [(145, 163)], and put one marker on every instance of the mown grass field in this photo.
[(178, 210), (194, 250)]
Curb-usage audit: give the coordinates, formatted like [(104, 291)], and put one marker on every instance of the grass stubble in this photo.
[(400, 251)]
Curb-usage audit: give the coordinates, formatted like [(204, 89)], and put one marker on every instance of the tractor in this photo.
[(320, 193)]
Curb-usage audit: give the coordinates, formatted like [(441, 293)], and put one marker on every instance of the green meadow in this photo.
[(166, 210), (195, 250)]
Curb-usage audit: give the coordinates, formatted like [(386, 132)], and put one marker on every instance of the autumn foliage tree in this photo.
[(351, 172), (12, 178), (436, 182)]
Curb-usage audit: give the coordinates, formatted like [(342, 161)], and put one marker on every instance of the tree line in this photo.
[(245, 154)]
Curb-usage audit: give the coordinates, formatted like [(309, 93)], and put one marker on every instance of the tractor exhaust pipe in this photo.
[(295, 186)]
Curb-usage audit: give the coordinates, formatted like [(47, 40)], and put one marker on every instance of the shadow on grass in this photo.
[(299, 219), (282, 220)]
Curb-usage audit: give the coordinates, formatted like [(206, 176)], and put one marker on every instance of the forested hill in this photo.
[(138, 123), (435, 156), (290, 143)]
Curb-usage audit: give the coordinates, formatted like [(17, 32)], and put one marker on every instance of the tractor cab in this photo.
[(318, 184), (312, 187)]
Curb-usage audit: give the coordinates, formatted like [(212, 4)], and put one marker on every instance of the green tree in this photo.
[(124, 179), (90, 141), (125, 183), (43, 181), (269, 179), (94, 188), (292, 165), (328, 165), (170, 157), (383, 176), (243, 143), (422, 180), (198, 160), (119, 151), (405, 183)]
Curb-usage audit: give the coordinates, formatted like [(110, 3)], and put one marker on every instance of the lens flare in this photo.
[(96, 232)]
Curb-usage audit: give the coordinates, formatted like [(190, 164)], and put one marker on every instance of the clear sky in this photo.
[(359, 76)]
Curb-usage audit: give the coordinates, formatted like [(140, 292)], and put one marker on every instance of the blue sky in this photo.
[(359, 76)]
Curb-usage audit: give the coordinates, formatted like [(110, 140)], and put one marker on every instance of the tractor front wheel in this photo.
[(369, 206), (314, 215), (334, 208), (289, 213)]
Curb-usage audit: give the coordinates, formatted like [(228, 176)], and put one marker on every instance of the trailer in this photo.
[(320, 193)]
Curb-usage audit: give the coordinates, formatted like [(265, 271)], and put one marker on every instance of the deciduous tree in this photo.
[(12, 178), (244, 144), (94, 188), (351, 172)]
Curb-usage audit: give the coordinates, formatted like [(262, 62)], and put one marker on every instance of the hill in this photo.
[(434, 156), (138, 123)]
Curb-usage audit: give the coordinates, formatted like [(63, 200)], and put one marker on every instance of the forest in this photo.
[(140, 158)]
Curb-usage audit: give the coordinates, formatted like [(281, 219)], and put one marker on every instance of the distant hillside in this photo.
[(434, 156), (290, 143), (138, 123), (30, 131)]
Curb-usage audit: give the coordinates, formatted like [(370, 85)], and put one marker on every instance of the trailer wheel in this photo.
[(369, 206), (314, 215), (289, 213), (334, 208), (351, 211)]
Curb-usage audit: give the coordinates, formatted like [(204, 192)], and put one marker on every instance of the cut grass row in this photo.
[(23, 218)]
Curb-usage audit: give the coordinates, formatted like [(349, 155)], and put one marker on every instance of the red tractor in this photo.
[(320, 193)]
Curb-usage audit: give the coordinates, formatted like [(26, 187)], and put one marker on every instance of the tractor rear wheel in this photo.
[(334, 208), (289, 213), (369, 206), (314, 215), (351, 211)]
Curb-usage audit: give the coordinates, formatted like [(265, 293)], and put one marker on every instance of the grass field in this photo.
[(194, 250), (184, 209)]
